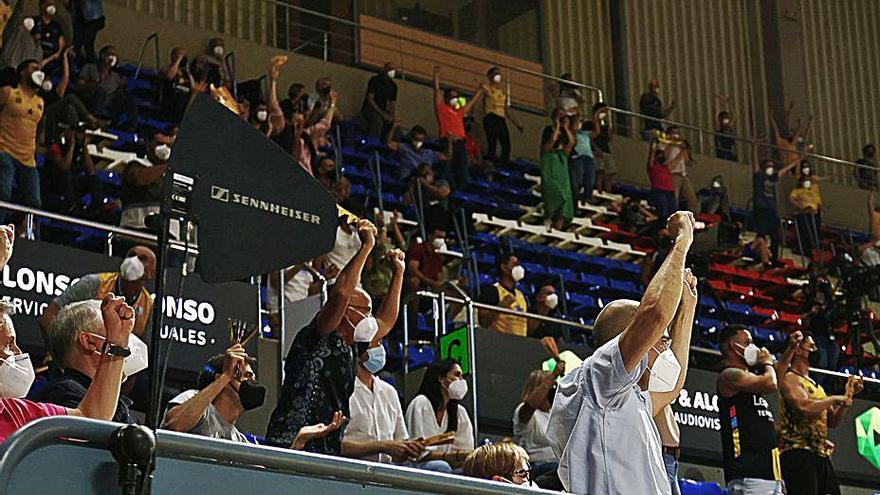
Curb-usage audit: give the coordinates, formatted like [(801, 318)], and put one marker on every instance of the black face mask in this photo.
[(251, 395), (325, 91), (551, 394), (331, 174)]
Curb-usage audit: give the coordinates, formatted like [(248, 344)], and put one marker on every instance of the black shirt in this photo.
[(651, 105), (725, 144), (603, 140), (133, 194), (383, 89), (49, 33), (67, 388), (747, 436), (319, 375)]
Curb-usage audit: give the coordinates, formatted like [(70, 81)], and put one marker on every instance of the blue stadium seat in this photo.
[(690, 487)]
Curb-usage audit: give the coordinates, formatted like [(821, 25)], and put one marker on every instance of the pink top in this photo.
[(15, 413)]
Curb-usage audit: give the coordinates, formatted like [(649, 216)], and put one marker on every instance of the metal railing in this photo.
[(264, 20), (470, 305)]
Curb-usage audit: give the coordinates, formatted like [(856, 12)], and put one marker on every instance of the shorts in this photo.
[(605, 163)]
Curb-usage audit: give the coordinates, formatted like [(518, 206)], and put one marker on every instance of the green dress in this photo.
[(556, 186)]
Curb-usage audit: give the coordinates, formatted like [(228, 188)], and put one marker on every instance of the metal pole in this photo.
[(421, 209), (435, 315), (797, 231), (281, 329), (472, 354), (379, 183), (442, 317), (153, 413), (110, 244), (405, 340), (814, 237), (326, 46), (29, 226)]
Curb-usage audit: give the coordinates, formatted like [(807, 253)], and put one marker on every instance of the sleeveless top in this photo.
[(748, 439), (799, 432), (508, 323)]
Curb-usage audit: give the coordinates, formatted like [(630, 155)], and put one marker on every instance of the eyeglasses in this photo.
[(524, 473)]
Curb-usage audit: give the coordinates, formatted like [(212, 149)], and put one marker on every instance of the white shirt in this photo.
[(871, 256), (295, 289), (422, 423), (375, 416), (346, 247), (602, 428), (532, 436)]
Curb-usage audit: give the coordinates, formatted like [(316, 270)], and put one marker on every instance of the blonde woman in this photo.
[(532, 415), (504, 462)]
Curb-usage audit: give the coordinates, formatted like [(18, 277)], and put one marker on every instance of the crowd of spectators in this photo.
[(332, 400)]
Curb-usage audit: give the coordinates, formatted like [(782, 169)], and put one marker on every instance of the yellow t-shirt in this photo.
[(5, 15), (806, 197), (797, 431), (19, 115), (496, 101), (505, 323)]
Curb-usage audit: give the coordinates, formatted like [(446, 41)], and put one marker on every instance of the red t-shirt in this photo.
[(15, 413), (430, 261), (450, 120), (661, 177)]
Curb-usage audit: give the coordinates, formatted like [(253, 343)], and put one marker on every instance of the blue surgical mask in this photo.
[(375, 359)]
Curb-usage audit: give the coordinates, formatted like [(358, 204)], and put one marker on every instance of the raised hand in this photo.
[(367, 232), (235, 362), (854, 385), (397, 259), (7, 240), (689, 295), (681, 225), (118, 319)]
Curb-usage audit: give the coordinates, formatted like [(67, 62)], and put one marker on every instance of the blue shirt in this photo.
[(583, 146), (602, 429), (410, 158)]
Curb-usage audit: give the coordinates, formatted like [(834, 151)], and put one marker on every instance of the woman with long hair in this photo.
[(436, 410), (532, 415)]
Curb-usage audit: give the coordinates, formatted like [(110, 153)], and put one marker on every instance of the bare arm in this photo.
[(682, 326), (548, 146), (61, 89), (390, 143), (734, 380), (662, 296), (387, 315), (473, 101), (796, 397), (536, 398), (147, 175), (276, 115), (438, 95), (349, 278), (103, 393)]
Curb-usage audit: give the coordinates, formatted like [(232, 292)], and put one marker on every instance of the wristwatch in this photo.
[(111, 349)]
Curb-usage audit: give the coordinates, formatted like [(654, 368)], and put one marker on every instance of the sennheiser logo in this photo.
[(220, 194), (226, 196)]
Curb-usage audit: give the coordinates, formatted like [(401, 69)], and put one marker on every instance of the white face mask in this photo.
[(750, 354), (602, 116), (457, 390), (665, 372), (517, 272), (807, 184), (50, 10), (417, 144), (800, 140), (496, 78), (805, 170), (111, 60), (439, 244), (218, 50), (552, 300), (131, 269), (768, 171), (453, 102), (391, 73), (28, 23), (375, 359), (716, 184), (138, 360), (47, 85), (163, 152), (725, 121), (262, 115), (16, 376), (38, 77), (366, 329)]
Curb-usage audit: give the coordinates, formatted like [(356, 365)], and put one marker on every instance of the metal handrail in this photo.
[(548, 319), (153, 37), (113, 229), (55, 430)]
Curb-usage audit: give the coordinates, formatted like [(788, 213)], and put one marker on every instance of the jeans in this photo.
[(84, 35), (374, 124), (437, 466), (496, 131), (672, 472), (754, 486), (664, 202), (582, 174), (829, 353), (27, 184), (455, 171)]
